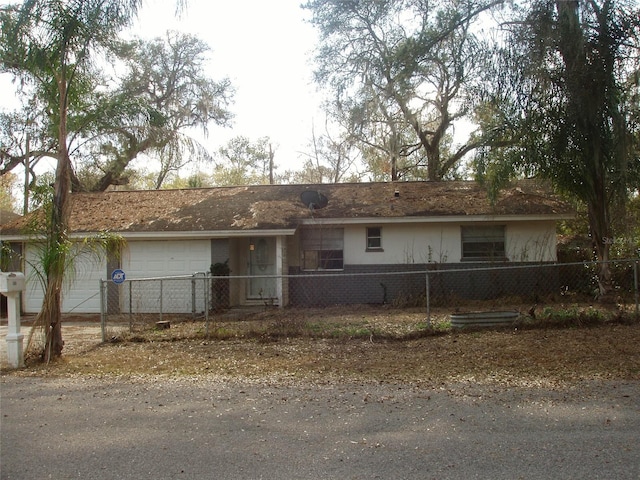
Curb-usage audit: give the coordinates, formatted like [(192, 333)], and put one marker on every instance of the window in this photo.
[(374, 238), (483, 243), (322, 249)]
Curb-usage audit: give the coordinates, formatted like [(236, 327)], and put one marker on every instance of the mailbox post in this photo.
[(11, 284)]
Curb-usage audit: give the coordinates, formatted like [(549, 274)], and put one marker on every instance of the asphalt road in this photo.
[(206, 428)]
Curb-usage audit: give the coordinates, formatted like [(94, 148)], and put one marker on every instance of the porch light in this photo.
[(252, 247)]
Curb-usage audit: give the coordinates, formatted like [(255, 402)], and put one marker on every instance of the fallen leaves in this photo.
[(507, 357)]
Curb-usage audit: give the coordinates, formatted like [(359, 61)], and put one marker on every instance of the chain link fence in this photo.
[(143, 303)]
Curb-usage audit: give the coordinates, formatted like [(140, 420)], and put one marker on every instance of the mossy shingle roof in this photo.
[(280, 207)]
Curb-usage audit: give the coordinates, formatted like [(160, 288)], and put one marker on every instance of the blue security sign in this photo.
[(117, 276)]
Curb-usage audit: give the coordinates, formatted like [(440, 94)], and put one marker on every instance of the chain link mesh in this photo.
[(156, 302)]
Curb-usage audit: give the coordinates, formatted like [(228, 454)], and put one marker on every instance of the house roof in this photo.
[(7, 216), (279, 207)]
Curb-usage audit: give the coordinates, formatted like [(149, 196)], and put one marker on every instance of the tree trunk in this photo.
[(592, 99), (602, 243), (51, 312)]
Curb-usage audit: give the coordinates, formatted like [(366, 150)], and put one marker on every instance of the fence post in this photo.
[(206, 304), (193, 296), (130, 306), (160, 299), (428, 299), (635, 283), (103, 315)]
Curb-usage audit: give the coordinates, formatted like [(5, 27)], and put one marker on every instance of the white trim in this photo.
[(314, 221), (164, 235), (206, 234), (435, 219)]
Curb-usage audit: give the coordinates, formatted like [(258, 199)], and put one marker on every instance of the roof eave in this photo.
[(207, 234), (438, 219), (171, 235)]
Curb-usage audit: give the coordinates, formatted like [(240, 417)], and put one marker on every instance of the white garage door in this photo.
[(81, 287), (148, 259), (158, 260)]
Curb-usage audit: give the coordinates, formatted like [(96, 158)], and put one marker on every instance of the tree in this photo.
[(7, 201), (243, 162), (571, 71), (163, 95), (401, 66), (333, 159), (26, 136), (50, 44)]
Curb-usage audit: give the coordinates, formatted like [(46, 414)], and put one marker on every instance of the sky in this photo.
[(264, 48)]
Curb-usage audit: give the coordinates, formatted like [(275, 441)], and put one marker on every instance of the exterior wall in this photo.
[(388, 275), (238, 248), (220, 291), (406, 284), (281, 264), (293, 250), (411, 244), (220, 251), (368, 276), (406, 244), (531, 242), (477, 281), (357, 284)]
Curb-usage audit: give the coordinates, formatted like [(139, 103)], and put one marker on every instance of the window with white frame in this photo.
[(483, 242), (322, 249), (374, 239)]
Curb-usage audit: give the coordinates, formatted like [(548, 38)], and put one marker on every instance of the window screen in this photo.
[(483, 242), (374, 238), (322, 249)]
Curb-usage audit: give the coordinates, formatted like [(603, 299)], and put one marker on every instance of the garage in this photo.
[(81, 288), (150, 259), (164, 259)]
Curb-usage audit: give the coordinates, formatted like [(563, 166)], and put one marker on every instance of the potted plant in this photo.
[(219, 285)]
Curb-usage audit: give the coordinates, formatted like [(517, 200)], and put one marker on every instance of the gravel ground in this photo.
[(164, 427)]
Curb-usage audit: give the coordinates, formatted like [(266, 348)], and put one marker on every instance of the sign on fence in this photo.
[(117, 276)]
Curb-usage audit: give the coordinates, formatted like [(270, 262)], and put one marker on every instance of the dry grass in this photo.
[(365, 344)]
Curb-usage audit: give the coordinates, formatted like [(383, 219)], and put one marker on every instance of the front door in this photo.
[(262, 264)]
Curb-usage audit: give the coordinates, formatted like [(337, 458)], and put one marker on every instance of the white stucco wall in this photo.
[(441, 243), (404, 244), (531, 242)]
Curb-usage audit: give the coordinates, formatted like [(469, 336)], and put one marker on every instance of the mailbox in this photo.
[(11, 282)]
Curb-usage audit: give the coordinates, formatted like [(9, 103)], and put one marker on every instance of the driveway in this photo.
[(202, 427)]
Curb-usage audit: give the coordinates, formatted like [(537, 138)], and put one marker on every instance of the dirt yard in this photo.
[(364, 344)]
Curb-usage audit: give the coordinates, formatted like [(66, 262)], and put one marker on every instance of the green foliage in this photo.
[(401, 73), (574, 316), (50, 44), (625, 239), (562, 90), (7, 255), (161, 93), (7, 199), (244, 162)]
